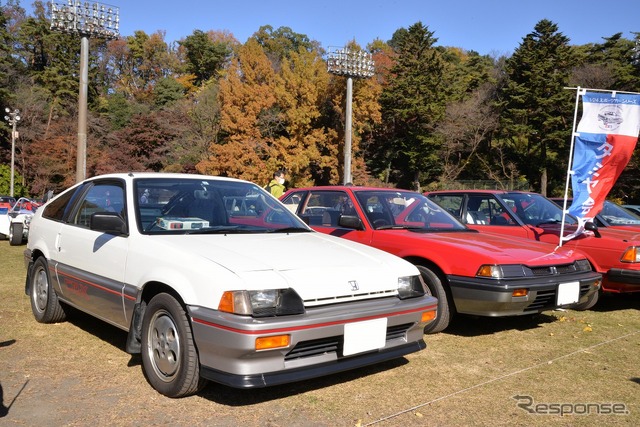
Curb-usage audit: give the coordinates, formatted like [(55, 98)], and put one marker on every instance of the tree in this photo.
[(467, 125), (536, 109), (412, 104), (205, 57), (249, 117), (281, 43)]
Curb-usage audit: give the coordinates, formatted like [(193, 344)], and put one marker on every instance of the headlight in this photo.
[(631, 255), (501, 271), (262, 303), (493, 271), (583, 265), (410, 287)]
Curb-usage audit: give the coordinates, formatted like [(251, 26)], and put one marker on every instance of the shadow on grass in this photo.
[(223, 394), (229, 396), (614, 302), (470, 326), (91, 325)]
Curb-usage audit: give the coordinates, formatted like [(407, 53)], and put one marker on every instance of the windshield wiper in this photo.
[(400, 227), (290, 230), (217, 230), (548, 221)]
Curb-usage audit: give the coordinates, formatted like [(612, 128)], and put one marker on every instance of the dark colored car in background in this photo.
[(612, 215)]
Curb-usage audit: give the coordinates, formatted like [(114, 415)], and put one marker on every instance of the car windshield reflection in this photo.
[(197, 206), (535, 209), (405, 210), (617, 215)]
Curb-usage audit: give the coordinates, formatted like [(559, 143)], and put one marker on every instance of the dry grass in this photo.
[(77, 373)]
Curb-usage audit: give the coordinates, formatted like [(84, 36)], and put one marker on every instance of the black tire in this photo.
[(435, 288), (169, 355), (44, 301), (15, 233), (589, 303)]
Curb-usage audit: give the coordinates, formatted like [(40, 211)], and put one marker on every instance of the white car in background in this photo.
[(214, 279), (14, 221)]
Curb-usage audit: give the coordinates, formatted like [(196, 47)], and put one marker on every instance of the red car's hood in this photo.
[(484, 248), (629, 235)]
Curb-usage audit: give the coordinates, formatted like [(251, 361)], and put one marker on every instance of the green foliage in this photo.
[(281, 43), (19, 190), (119, 110), (205, 57), (429, 115), (5, 58), (536, 110), (167, 91), (412, 104)]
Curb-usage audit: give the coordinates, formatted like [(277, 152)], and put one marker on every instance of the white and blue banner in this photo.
[(604, 142)]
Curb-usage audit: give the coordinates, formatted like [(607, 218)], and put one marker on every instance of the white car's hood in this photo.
[(317, 266)]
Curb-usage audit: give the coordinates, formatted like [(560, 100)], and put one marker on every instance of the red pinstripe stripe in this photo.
[(303, 327)]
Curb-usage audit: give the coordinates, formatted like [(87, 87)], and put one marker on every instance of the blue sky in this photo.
[(487, 26)]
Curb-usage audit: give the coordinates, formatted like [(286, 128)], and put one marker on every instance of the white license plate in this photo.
[(568, 293), (364, 336)]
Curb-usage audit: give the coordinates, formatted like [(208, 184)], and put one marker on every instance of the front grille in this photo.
[(334, 344), (315, 348), (544, 299), (312, 302), (551, 270), (547, 299)]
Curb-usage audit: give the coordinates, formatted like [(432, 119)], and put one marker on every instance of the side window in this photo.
[(56, 208), (100, 198), (486, 210), (293, 200), (325, 207), (452, 204), (498, 215), (480, 209)]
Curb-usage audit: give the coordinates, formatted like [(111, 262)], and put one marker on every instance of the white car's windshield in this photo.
[(189, 206)]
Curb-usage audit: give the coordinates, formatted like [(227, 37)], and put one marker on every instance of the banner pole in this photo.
[(579, 92)]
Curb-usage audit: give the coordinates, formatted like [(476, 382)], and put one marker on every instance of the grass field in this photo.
[(482, 372)]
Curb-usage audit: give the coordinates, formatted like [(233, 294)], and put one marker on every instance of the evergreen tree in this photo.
[(412, 104), (537, 111), (204, 56)]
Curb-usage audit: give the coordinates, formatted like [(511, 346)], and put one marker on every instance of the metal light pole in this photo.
[(13, 117), (86, 19), (349, 63)]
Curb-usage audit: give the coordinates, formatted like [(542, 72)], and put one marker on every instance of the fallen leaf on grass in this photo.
[(587, 328)]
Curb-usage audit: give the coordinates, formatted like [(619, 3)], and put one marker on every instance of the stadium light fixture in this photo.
[(350, 64), (13, 117), (85, 19)]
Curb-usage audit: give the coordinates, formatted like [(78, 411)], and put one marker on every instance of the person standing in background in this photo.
[(276, 185)]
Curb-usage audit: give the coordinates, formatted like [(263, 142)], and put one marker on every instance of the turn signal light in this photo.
[(630, 255), (275, 341), (428, 316), (520, 292)]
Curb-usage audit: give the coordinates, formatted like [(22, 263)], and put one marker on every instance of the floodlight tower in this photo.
[(351, 64), (13, 117), (85, 19)]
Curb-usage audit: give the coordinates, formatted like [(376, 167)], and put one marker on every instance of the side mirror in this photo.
[(108, 222), (590, 226), (47, 196), (350, 221)]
